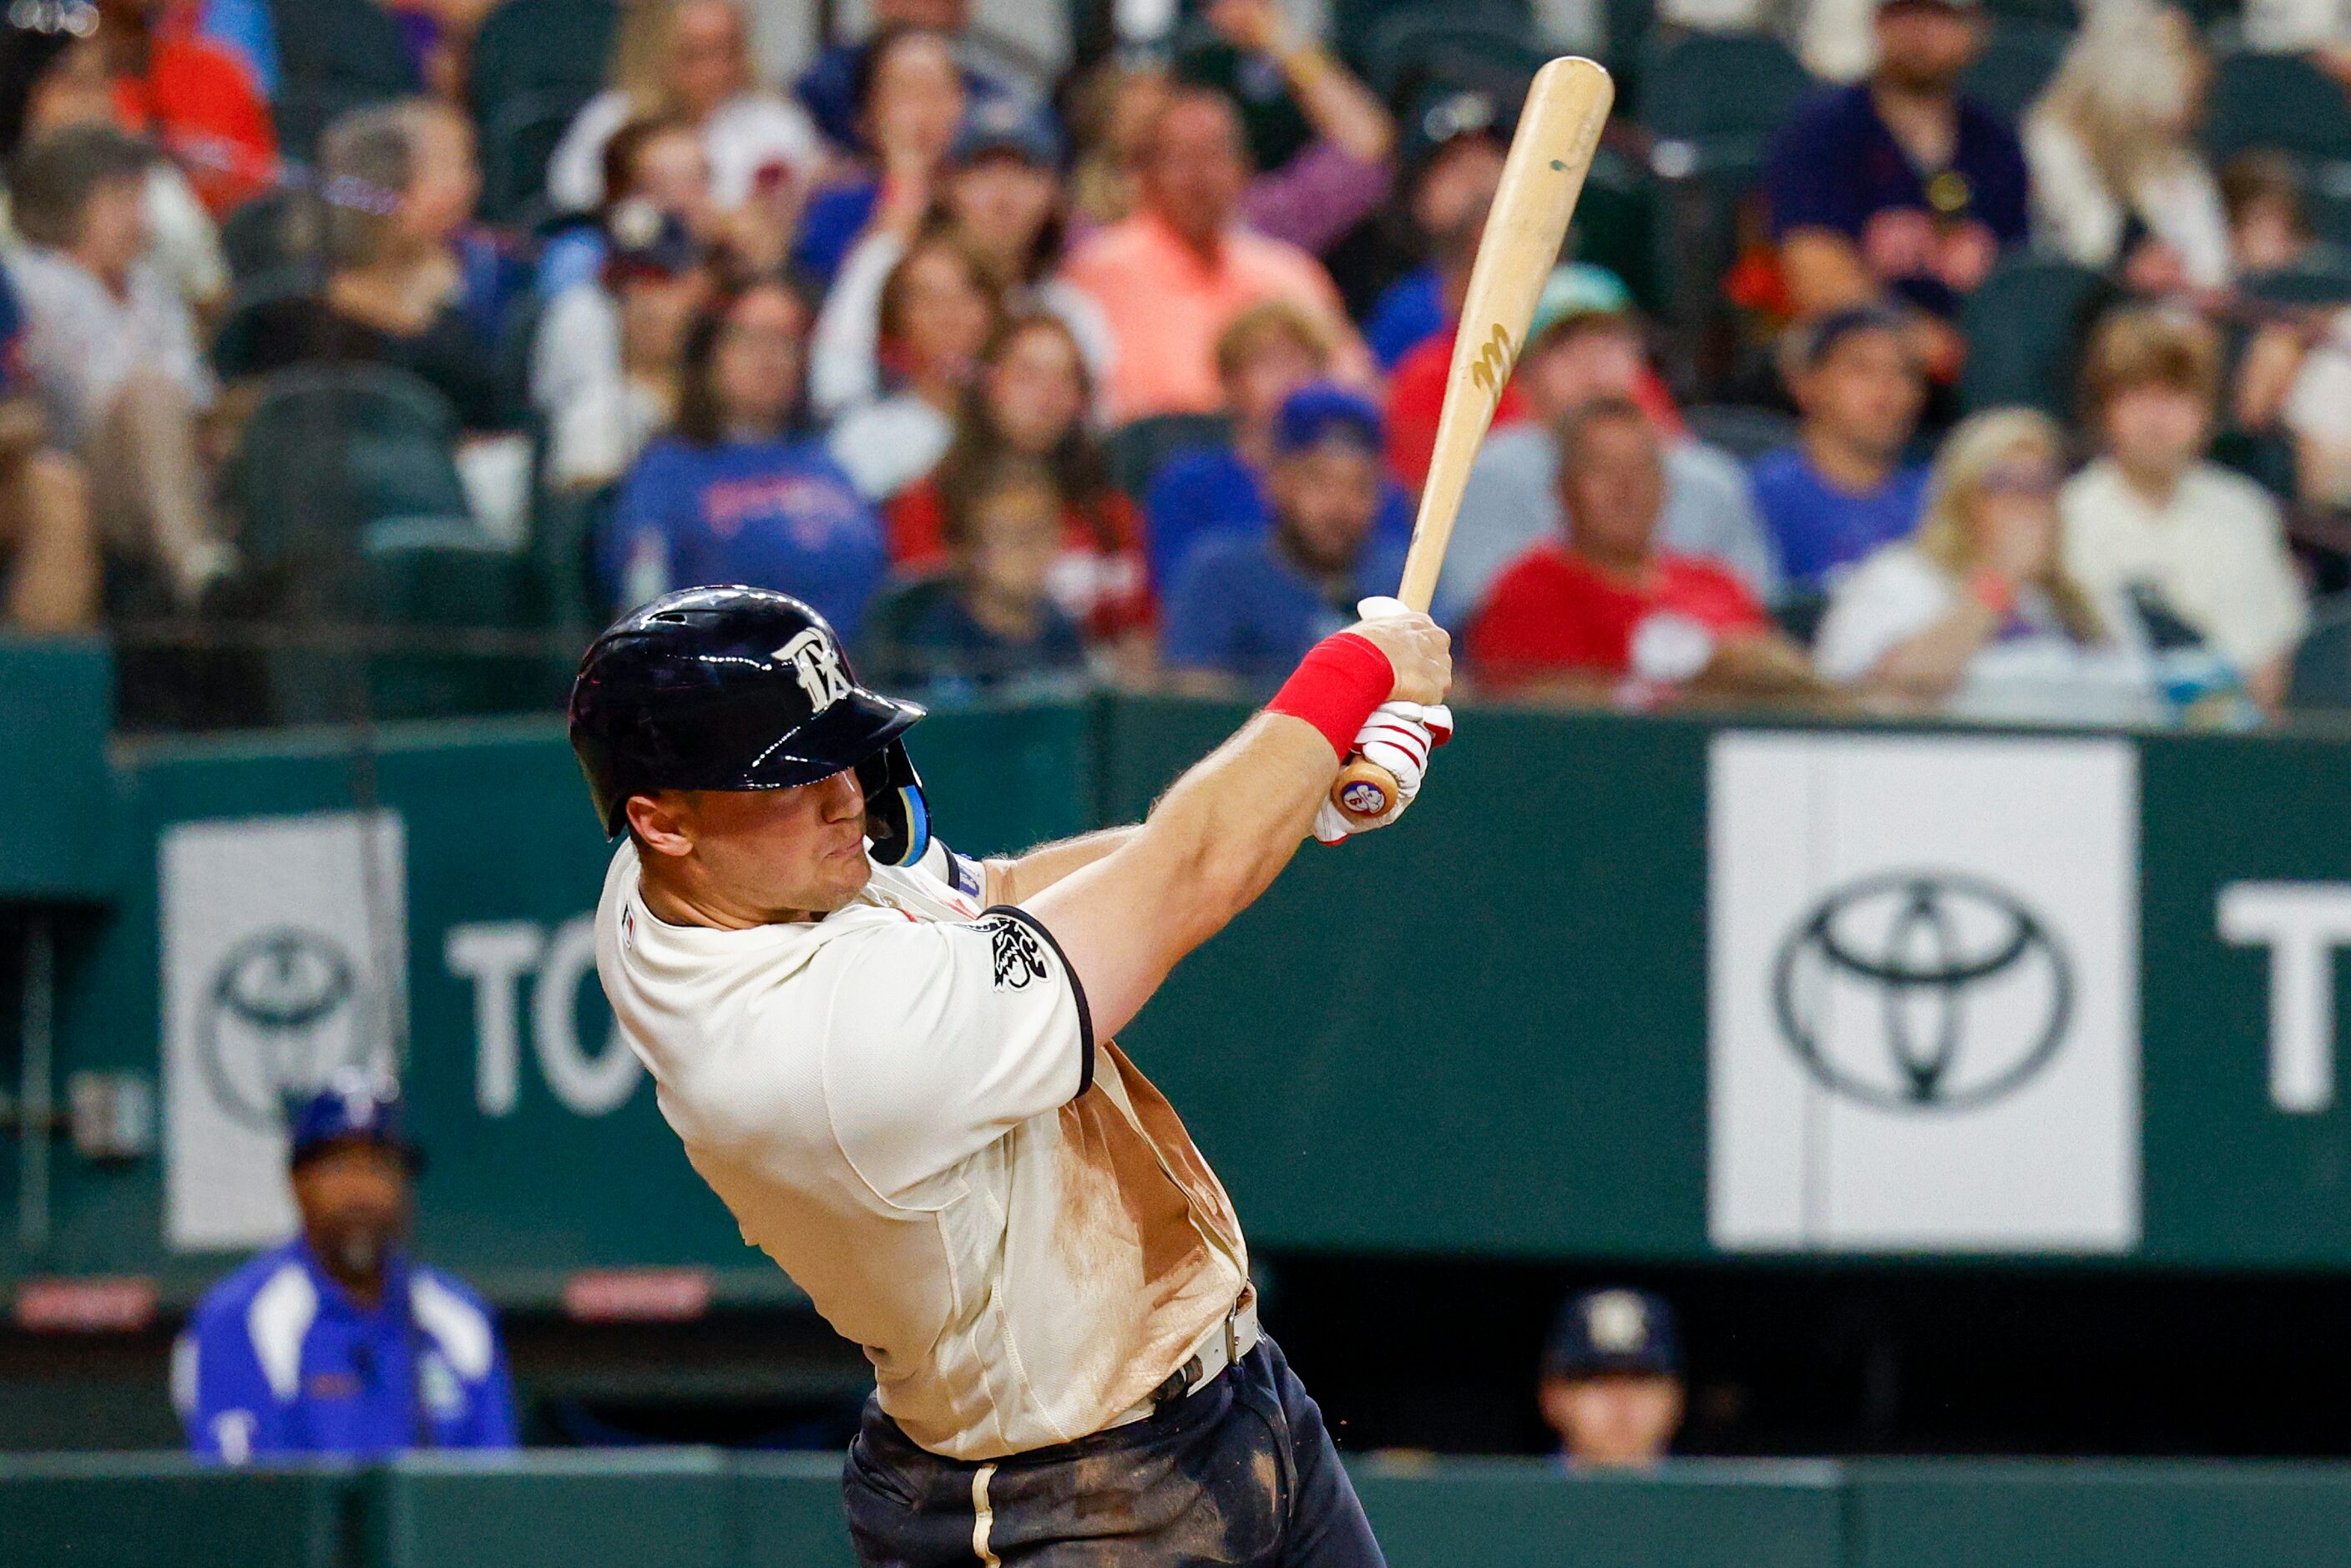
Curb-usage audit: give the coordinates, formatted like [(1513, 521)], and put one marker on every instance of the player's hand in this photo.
[(1399, 736), (1419, 650)]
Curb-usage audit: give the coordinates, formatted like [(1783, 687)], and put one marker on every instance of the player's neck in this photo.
[(711, 909)]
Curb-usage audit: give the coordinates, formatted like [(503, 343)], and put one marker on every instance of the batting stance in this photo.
[(895, 1066)]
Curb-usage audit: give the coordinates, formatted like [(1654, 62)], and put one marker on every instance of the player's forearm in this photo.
[(1214, 841), (1025, 876)]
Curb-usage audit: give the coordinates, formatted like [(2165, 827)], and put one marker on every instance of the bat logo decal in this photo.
[(1365, 798), (1492, 367)]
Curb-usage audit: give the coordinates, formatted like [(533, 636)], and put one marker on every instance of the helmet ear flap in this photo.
[(897, 817)]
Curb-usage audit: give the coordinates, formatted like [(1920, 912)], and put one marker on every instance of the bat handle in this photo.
[(1364, 792)]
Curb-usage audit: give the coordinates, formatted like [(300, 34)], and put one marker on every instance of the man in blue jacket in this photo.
[(337, 1343)]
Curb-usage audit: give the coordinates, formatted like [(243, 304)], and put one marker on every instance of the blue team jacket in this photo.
[(279, 1359)]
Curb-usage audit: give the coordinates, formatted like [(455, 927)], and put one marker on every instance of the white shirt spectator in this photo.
[(2318, 410), (885, 446), (752, 131), (2034, 671), (82, 341), (904, 1104), (2216, 553), (2081, 218)]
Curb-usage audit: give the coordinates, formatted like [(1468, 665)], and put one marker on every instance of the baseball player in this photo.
[(895, 1066)]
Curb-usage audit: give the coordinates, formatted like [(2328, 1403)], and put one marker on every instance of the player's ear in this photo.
[(660, 825)]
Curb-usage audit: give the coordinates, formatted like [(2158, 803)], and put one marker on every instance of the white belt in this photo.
[(1226, 1344)]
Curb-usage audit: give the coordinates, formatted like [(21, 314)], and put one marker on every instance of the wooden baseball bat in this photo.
[(1559, 131)]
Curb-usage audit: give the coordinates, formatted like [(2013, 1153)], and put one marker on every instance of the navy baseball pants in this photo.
[(1241, 1475)]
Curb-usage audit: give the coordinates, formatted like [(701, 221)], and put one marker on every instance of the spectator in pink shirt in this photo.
[(1171, 277)]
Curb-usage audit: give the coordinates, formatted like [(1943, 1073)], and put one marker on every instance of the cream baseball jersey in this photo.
[(904, 1106)]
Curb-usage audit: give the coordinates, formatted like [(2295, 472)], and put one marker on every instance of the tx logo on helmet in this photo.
[(817, 664)]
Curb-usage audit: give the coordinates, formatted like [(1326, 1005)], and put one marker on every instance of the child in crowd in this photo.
[(988, 620), (2153, 520)]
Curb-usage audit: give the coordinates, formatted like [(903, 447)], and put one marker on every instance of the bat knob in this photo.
[(1365, 791)]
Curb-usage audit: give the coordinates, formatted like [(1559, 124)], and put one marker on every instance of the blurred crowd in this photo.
[(1939, 356)]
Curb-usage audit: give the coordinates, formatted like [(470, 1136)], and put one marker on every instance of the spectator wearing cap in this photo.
[(911, 104), (2154, 519), (737, 492), (1001, 193), (1269, 354), (829, 89), (1245, 608), (1452, 170), (1845, 488), (1612, 1380), (662, 162), (1601, 604), (111, 351), (1583, 345), (940, 306), (1170, 277), (339, 1342), (1900, 188), (623, 338), (690, 59)]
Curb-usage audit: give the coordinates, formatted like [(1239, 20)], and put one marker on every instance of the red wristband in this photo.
[(1335, 688)]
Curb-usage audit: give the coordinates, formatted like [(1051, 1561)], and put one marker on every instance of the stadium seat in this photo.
[(2321, 678), (519, 139), (2017, 64), (2023, 328), (258, 238), (335, 56), (1746, 433), (1139, 449), (1723, 93), (1480, 47), (540, 46), (2280, 102), (352, 518), (236, 342), (2323, 282)]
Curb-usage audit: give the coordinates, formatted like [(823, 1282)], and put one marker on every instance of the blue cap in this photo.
[(1613, 1330), (1322, 412), (354, 1105), (642, 238), (1006, 125)]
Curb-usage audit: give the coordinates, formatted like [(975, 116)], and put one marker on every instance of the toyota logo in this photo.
[(276, 1020), (1922, 991)]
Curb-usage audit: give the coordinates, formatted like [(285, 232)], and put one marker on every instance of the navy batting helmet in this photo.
[(740, 688)]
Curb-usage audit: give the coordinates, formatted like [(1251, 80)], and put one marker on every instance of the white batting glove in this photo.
[(1399, 736)]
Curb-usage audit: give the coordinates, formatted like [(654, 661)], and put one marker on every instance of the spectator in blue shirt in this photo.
[(1267, 353), (1900, 186), (338, 1343), (1845, 489), (1246, 607), (735, 494)]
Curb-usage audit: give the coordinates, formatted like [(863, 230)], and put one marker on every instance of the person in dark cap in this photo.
[(1845, 487), (337, 1343), (1612, 1379), (1246, 607), (625, 347)]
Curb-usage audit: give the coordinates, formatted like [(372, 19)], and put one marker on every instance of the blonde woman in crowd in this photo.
[(1976, 614), (2111, 145), (692, 58)]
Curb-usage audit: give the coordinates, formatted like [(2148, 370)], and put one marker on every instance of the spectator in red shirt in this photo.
[(1029, 403), (195, 98), (1602, 610)]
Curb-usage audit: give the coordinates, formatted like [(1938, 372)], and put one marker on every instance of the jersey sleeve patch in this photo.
[(1019, 943)]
